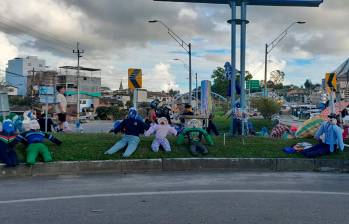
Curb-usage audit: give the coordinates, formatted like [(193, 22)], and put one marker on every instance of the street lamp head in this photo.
[(301, 22), (152, 21)]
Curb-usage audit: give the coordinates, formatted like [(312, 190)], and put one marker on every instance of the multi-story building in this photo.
[(343, 80), (19, 68), (89, 85)]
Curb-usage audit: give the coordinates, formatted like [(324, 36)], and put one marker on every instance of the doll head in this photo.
[(162, 121), (132, 113), (8, 127)]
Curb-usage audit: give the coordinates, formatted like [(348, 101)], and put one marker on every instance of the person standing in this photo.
[(61, 107)]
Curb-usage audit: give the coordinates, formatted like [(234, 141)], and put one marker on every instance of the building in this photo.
[(12, 90), (343, 80), (89, 85), (296, 96), (19, 68)]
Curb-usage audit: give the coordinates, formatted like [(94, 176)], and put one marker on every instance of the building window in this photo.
[(29, 64), (40, 65)]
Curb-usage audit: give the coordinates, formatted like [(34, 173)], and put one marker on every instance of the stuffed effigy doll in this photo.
[(194, 135), (132, 127), (8, 139), (35, 140), (161, 130)]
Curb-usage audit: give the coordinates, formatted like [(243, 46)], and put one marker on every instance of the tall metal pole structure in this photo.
[(242, 63), (184, 45), (269, 47), (233, 62), (197, 91), (78, 52)]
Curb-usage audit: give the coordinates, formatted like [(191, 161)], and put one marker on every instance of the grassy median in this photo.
[(81, 147)]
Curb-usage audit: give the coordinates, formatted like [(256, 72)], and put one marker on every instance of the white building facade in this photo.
[(18, 70)]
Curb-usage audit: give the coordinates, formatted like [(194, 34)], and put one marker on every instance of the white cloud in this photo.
[(160, 78), (8, 51), (187, 13)]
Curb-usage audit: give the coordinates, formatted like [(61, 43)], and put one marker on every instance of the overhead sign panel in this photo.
[(134, 78), (303, 3)]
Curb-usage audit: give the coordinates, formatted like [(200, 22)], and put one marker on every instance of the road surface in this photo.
[(177, 197)]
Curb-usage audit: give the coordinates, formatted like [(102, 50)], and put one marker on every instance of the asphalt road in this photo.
[(183, 197)]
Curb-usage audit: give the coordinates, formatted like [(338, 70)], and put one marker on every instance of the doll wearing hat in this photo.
[(35, 138), (161, 130), (132, 126), (8, 139), (333, 139)]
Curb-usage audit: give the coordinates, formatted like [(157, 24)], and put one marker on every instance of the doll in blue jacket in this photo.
[(8, 140)]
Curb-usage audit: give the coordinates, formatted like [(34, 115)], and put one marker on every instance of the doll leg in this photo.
[(12, 155), (32, 153), (201, 148), (119, 145), (45, 153), (193, 149), (166, 145), (4, 157), (133, 142), (155, 145)]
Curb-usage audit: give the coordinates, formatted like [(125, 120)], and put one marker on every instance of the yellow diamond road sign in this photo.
[(134, 78), (331, 82)]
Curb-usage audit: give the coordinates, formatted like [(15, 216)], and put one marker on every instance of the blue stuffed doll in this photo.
[(8, 139)]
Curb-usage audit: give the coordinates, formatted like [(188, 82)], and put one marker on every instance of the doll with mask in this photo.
[(161, 130), (332, 139), (8, 140), (35, 140)]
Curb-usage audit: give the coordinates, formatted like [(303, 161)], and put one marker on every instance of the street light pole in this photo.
[(272, 45), (184, 45)]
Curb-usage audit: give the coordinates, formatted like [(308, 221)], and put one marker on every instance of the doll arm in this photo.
[(150, 131), (173, 131), (53, 139)]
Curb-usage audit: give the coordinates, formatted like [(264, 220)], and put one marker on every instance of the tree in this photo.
[(277, 77), (308, 85), (173, 92), (248, 76), (220, 82), (266, 106)]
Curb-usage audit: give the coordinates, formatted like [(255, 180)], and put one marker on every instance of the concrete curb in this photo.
[(178, 164)]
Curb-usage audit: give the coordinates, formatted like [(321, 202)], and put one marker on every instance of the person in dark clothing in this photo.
[(132, 127), (188, 110), (211, 126), (42, 122)]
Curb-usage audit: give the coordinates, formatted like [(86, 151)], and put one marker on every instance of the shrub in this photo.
[(266, 106)]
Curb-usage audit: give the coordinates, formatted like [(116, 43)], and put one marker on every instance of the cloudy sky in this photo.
[(116, 36)]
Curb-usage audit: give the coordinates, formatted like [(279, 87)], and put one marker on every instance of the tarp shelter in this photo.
[(343, 70)]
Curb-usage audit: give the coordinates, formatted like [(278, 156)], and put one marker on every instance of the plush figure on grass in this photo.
[(194, 134), (35, 138), (161, 131), (132, 127), (8, 140)]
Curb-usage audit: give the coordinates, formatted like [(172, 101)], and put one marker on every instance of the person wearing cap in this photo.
[(132, 127), (333, 139), (161, 131), (8, 140)]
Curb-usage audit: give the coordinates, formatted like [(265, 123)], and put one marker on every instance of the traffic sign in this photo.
[(134, 78), (253, 85), (331, 82), (46, 90)]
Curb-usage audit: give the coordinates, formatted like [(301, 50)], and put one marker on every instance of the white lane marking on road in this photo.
[(152, 193)]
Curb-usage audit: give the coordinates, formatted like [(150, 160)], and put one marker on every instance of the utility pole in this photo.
[(32, 86), (78, 52), (197, 91)]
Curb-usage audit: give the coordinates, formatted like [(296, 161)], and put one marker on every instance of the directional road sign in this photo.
[(331, 82), (134, 78)]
